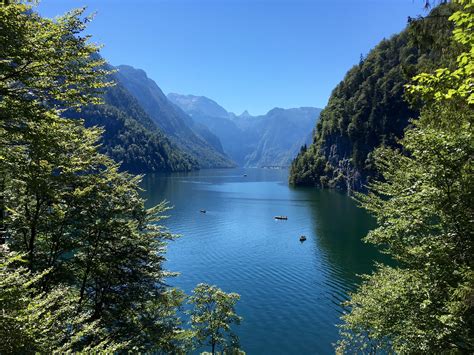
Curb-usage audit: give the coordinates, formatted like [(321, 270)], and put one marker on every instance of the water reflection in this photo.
[(291, 291)]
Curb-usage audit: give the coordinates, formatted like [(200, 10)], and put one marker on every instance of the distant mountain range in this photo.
[(186, 133), (147, 131), (270, 140)]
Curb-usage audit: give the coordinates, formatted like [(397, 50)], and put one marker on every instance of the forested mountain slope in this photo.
[(131, 137), (367, 109), (268, 140), (190, 136)]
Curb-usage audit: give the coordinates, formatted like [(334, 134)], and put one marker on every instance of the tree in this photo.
[(32, 321), (425, 212), (367, 109), (79, 222), (212, 315)]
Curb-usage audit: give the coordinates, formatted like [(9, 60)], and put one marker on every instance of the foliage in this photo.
[(43, 59), (79, 221), (367, 109), (212, 315), (33, 321), (129, 139), (445, 84), (424, 209)]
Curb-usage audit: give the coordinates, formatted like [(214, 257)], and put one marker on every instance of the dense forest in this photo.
[(368, 109), (81, 258), (423, 202), (130, 137)]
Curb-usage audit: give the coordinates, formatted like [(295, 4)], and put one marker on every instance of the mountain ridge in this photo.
[(367, 109), (190, 136), (272, 139), (130, 136)]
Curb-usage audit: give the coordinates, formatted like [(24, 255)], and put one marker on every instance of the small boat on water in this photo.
[(245, 175), (281, 217), (302, 238), (202, 211)]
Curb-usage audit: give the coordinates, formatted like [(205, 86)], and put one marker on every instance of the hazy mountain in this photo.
[(199, 105), (277, 136), (273, 139), (191, 136), (244, 114), (131, 137)]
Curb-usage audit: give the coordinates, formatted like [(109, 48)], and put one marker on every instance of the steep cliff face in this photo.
[(270, 140), (366, 110), (191, 137), (131, 137)]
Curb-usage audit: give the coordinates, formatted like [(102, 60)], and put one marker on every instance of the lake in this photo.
[(291, 292)]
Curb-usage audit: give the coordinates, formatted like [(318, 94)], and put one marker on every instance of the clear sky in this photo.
[(245, 54)]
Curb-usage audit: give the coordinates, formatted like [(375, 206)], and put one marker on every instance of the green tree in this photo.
[(33, 321), (212, 315), (425, 213), (367, 109), (80, 223)]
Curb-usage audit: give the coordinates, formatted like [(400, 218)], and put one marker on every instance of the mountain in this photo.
[(208, 113), (368, 109), (190, 136), (199, 105), (273, 139), (131, 137)]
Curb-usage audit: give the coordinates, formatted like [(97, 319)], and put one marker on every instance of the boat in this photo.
[(202, 211), (281, 217), (245, 175), (302, 238)]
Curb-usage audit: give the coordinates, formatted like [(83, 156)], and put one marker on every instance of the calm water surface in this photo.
[(290, 291)]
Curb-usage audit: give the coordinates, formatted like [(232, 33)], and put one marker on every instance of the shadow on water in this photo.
[(340, 225), (291, 292)]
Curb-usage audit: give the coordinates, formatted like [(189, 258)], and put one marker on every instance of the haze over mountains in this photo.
[(190, 136), (148, 131), (131, 137), (270, 140)]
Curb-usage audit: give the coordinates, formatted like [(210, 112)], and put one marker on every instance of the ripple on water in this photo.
[(290, 291)]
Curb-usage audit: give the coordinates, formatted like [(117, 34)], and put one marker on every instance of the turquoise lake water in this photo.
[(291, 292)]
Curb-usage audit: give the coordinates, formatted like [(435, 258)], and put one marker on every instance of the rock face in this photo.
[(199, 105), (278, 135), (131, 137), (270, 140), (366, 110), (190, 136)]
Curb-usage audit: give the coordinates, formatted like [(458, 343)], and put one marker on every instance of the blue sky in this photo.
[(244, 54)]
